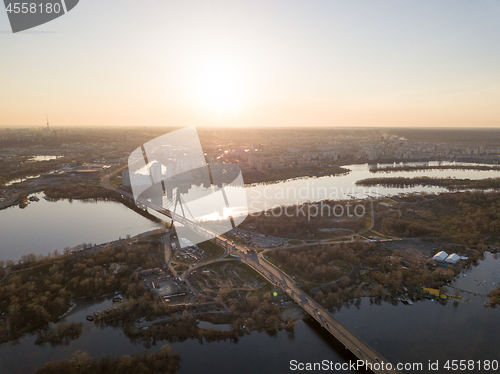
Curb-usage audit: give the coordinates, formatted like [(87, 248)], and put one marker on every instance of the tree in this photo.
[(82, 360), (443, 290), (14, 309), (253, 302)]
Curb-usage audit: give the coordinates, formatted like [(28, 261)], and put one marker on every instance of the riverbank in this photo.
[(10, 201), (449, 183), (391, 168), (277, 175), (79, 192)]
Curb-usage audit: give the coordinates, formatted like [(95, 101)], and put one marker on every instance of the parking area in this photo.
[(257, 240), (189, 254), (192, 253)]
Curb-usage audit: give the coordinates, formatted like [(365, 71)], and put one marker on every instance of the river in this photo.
[(298, 191), (45, 226)]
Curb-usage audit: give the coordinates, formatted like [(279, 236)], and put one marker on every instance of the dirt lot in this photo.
[(224, 277)]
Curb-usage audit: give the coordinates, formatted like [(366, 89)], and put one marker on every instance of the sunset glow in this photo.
[(218, 88), (245, 64)]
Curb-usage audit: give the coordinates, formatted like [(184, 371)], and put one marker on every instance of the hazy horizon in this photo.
[(250, 127)]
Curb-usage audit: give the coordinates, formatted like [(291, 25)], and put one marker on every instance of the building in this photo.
[(440, 256), (126, 179), (151, 271), (431, 291), (156, 171), (186, 243), (453, 258)]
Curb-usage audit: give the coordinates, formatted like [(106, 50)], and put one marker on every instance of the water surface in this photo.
[(45, 226)]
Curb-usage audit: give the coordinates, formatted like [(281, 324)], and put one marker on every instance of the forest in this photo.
[(449, 183), (315, 265), (164, 361), (94, 193), (378, 169), (80, 191), (274, 175), (37, 292), (464, 217)]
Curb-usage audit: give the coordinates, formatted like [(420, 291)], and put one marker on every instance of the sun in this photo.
[(218, 87)]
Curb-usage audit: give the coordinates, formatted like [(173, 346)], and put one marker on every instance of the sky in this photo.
[(255, 63)]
